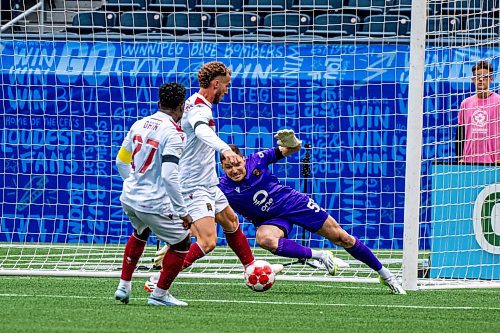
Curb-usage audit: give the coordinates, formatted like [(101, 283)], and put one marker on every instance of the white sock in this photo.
[(316, 254), (384, 273), (158, 292), (126, 284)]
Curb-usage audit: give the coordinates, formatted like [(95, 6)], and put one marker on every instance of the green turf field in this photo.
[(49, 304)]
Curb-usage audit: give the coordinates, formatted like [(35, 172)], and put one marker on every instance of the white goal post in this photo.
[(374, 90)]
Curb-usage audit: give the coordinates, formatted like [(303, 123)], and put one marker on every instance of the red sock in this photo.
[(172, 265), (238, 242), (132, 254), (195, 253)]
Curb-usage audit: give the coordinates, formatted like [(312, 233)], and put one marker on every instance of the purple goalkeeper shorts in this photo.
[(305, 213)]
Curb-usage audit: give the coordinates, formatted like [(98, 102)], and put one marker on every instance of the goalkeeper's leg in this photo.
[(333, 232), (272, 237)]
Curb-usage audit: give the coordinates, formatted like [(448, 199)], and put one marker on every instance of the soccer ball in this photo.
[(259, 276)]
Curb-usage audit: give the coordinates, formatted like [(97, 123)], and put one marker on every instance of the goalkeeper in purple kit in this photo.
[(254, 192)]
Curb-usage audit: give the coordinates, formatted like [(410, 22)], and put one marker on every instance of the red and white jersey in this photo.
[(149, 139), (197, 165)]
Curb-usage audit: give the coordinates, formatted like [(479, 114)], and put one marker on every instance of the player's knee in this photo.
[(182, 245), (207, 245), (232, 223), (144, 235), (267, 242), (343, 239)]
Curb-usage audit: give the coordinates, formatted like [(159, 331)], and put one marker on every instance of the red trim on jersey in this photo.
[(177, 127), (200, 101), (211, 122)]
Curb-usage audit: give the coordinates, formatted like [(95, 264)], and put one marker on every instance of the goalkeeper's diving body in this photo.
[(255, 193)]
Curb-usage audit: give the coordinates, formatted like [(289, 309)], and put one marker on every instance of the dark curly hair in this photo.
[(171, 95), (482, 64), (210, 71)]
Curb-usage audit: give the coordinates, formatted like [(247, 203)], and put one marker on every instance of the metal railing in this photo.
[(39, 8)]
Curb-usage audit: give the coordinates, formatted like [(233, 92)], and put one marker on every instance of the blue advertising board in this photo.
[(67, 106)]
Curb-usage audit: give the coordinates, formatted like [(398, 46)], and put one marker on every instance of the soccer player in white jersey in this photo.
[(151, 197), (205, 201)]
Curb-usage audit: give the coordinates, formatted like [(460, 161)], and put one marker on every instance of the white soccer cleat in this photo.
[(122, 295), (166, 300), (150, 283), (331, 263), (393, 285), (277, 268)]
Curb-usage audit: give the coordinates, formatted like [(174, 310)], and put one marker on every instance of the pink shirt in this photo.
[(481, 118)]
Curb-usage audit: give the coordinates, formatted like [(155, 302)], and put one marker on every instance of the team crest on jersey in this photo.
[(209, 206), (257, 172), (237, 189), (171, 216)]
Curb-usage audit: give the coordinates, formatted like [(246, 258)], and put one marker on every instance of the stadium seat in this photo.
[(253, 38), (401, 7), (92, 22), (140, 22), (281, 24), (186, 23), (229, 24), (462, 7), (333, 25), (301, 38), (481, 28), (385, 26), (124, 5), (171, 5), (491, 6), (318, 5), (442, 26), (363, 8), (202, 37), (267, 6), (217, 6)]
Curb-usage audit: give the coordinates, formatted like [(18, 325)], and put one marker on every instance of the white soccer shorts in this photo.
[(168, 228), (205, 202)]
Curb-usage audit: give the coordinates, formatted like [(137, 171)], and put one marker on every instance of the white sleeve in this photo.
[(124, 169), (199, 118), (208, 136), (170, 172)]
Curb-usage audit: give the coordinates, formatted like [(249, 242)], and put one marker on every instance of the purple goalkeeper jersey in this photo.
[(260, 196)]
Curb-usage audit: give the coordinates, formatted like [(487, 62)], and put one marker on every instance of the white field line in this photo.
[(378, 305)]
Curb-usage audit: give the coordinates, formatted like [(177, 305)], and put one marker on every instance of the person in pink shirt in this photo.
[(478, 134)]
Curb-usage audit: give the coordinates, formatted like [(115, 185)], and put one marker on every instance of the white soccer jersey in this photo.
[(197, 165), (149, 139)]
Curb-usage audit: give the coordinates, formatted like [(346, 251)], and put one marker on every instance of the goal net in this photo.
[(75, 75), (460, 221)]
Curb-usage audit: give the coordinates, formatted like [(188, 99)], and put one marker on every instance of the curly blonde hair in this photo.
[(210, 71)]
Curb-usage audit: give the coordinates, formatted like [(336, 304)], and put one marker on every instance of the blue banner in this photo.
[(67, 106)]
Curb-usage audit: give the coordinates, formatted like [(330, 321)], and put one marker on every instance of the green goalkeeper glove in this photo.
[(159, 256), (286, 138)]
